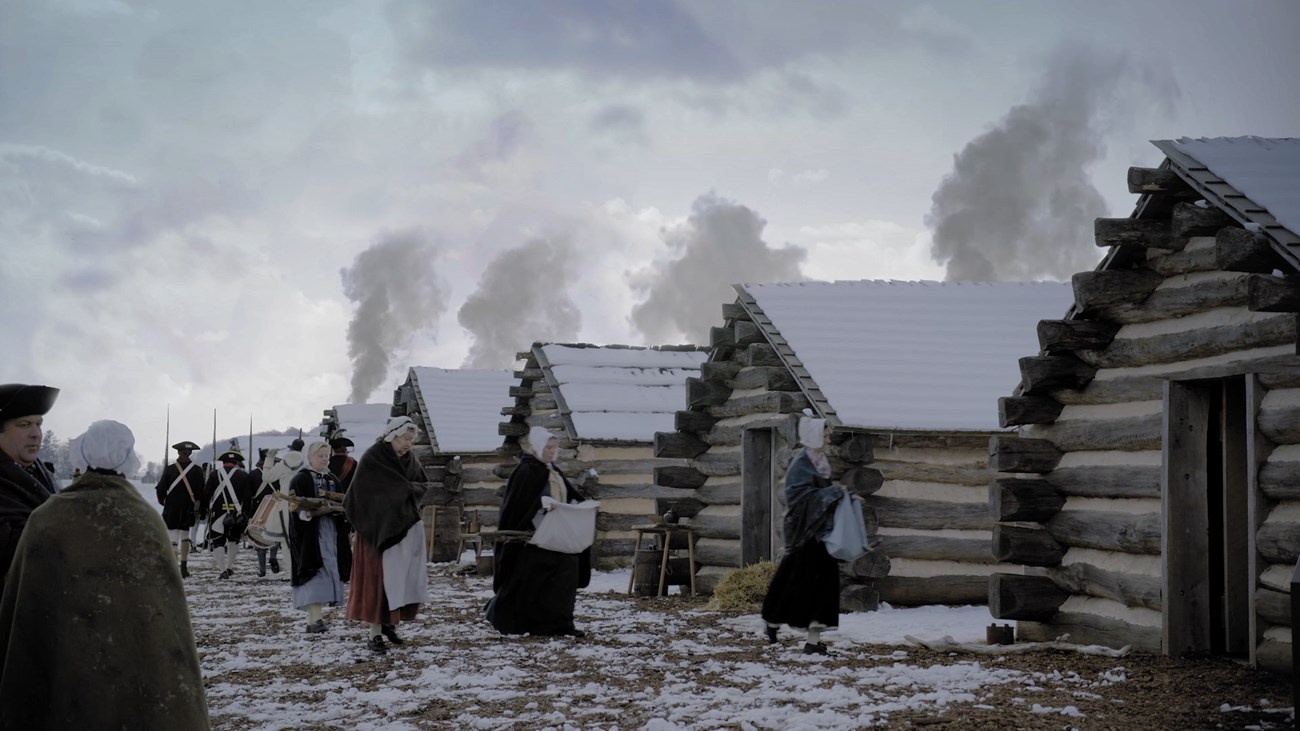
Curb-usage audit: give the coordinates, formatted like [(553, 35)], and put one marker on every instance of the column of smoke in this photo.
[(721, 244), (1019, 204), (396, 294), (522, 297)]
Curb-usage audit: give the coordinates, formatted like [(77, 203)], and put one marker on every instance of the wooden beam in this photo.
[(693, 421), (1107, 531), (702, 393), (1113, 287), (529, 374), (1267, 293), (1015, 596), (1157, 181), (1042, 373), (1189, 345), (678, 444), (734, 311), (1279, 542), (684, 477), (772, 402), (1132, 590), (719, 370), (893, 512), (1239, 250), (1017, 410), (1056, 335), (919, 591), (974, 472), (1139, 232), (1017, 455), (1026, 543), (521, 392), (1188, 261), (1174, 302), (721, 337), (862, 480), (853, 447), (1280, 480), (760, 354), (512, 429), (1107, 481), (772, 378), (1126, 433), (1192, 220), (870, 565), (746, 333), (1032, 500), (938, 548)]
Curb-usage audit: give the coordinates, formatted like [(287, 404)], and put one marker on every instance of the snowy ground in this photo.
[(665, 663)]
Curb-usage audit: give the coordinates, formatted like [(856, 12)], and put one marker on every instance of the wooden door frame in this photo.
[(757, 498)]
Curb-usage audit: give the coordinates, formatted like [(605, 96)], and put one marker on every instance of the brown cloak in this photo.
[(94, 628)]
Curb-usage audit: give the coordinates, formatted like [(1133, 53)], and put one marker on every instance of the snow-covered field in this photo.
[(665, 663)]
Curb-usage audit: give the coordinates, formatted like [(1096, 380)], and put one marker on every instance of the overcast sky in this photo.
[(269, 208)]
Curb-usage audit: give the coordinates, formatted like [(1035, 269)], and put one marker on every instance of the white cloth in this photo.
[(538, 436), (812, 432), (106, 445), (326, 587), (567, 527), (405, 579), (397, 426)]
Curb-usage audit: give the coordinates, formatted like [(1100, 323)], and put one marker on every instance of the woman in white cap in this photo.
[(318, 540), (94, 595), (805, 591), (536, 589), (388, 555)]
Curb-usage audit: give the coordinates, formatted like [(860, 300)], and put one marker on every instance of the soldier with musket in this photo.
[(25, 483), (230, 505), (180, 493)]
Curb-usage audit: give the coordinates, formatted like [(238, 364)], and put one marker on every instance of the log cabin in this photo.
[(1154, 485), (458, 411), (362, 423), (906, 375), (605, 404)]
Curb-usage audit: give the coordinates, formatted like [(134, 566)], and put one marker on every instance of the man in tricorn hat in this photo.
[(230, 505), (180, 492), (341, 463), (25, 483)]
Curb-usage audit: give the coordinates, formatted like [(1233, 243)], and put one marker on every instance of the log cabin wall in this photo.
[(1078, 495)]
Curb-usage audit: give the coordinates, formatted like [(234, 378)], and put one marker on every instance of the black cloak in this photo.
[(179, 506), (304, 542), (22, 490), (383, 504), (806, 586)]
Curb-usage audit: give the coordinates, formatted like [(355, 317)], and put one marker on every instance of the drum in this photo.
[(270, 524)]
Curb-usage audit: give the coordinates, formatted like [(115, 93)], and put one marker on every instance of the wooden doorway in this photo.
[(1205, 537), (760, 500)]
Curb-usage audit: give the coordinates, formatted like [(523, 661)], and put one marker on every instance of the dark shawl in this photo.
[(810, 502), (21, 492), (304, 535), (523, 498), (382, 504), (94, 629)]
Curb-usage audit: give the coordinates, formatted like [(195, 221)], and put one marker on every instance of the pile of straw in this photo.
[(743, 589)]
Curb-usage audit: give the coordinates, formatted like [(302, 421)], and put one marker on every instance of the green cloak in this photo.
[(94, 628)]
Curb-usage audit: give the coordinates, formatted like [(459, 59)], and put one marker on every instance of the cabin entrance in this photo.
[(1205, 530), (760, 499)]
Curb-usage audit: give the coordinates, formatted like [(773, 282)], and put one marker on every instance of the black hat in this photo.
[(185, 447), (261, 453), (231, 455), (341, 443), (296, 445), (20, 399)]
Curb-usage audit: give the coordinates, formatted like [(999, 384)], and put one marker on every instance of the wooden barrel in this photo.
[(486, 563), (442, 530), (645, 572)]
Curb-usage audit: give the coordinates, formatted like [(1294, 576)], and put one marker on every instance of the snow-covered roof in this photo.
[(931, 356), (463, 407), (623, 393), (362, 423)]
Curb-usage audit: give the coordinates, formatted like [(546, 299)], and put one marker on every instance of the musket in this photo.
[(167, 438), (251, 457), (214, 439), (297, 502)]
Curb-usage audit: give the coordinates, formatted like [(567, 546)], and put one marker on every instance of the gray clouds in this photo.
[(720, 244), (396, 294), (521, 298)]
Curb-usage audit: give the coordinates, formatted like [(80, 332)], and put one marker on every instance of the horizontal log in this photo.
[(1278, 542), (512, 428), (929, 514), (1280, 480), (521, 391), (1272, 606), (1126, 433), (1058, 335), (1281, 423), (1015, 596), (772, 378), (1175, 302), (721, 337), (862, 480), (719, 370), (1019, 410), (1029, 544), (1188, 261), (681, 507), (678, 444), (859, 598), (1019, 455), (1274, 656), (522, 409), (873, 564), (702, 393), (602, 491), (1034, 500), (971, 474), (1108, 531), (1267, 293), (773, 402), (681, 477), (619, 521), (717, 465), (1107, 480), (734, 311), (745, 332), (1239, 250), (693, 421), (1157, 181), (1040, 374), (608, 554), (1192, 344), (715, 526), (731, 434), (1092, 629), (1111, 287), (718, 552), (888, 441), (908, 591), (1133, 590), (1139, 232), (938, 548), (529, 374), (852, 447), (1189, 219), (1274, 371), (760, 354)]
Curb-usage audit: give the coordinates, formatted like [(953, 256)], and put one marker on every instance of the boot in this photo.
[(261, 562), (185, 570), (275, 565)]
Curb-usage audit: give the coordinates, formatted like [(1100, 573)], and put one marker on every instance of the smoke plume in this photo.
[(721, 244), (522, 298), (1019, 204), (397, 294)]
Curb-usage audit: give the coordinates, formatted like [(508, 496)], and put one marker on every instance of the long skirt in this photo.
[(805, 589), (537, 593), (326, 587), (368, 600)]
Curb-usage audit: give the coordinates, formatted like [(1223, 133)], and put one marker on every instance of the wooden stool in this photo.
[(664, 532), (469, 534)]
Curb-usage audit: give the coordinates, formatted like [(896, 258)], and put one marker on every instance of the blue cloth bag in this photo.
[(847, 539)]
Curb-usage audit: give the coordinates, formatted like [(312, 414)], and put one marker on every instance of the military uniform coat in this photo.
[(180, 505), (221, 502), (22, 490)]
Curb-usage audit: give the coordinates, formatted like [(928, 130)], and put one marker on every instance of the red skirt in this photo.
[(367, 601)]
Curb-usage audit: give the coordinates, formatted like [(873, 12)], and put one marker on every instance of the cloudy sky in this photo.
[(271, 208)]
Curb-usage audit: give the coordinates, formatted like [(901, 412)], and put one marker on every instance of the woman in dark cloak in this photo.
[(318, 540), (536, 589), (805, 591)]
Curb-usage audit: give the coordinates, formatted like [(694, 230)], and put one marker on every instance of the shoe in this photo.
[(261, 572), (771, 635), (185, 571), (376, 645), (275, 567), (817, 649), (225, 574), (391, 633), (316, 627)]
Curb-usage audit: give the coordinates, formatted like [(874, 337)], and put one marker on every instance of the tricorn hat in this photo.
[(230, 455), (185, 447), (341, 443), (21, 399)]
